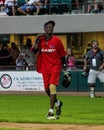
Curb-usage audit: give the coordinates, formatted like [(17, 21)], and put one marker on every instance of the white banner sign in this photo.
[(21, 81)]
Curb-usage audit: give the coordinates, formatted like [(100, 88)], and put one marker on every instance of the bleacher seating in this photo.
[(55, 4), (58, 7), (44, 10), (21, 2), (65, 6)]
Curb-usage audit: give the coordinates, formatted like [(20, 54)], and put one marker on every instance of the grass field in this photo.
[(33, 109)]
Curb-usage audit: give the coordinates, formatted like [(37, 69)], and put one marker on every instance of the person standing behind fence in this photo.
[(29, 56), (70, 58), (20, 62), (50, 59), (95, 56), (5, 57), (14, 52)]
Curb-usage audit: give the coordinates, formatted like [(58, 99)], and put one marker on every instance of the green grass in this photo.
[(33, 109)]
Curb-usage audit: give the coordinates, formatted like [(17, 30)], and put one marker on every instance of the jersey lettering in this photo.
[(48, 50)]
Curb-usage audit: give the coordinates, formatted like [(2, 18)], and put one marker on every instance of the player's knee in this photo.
[(52, 88), (92, 85), (47, 92)]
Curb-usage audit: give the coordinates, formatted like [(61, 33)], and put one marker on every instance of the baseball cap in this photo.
[(51, 21)]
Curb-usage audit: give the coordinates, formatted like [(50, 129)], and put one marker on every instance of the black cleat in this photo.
[(92, 95), (50, 116), (58, 109)]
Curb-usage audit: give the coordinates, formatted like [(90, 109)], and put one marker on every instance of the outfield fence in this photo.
[(33, 81)]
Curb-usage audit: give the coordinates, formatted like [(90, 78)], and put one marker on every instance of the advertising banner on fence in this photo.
[(21, 81)]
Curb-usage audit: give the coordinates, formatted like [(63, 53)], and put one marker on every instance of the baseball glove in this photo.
[(66, 79)]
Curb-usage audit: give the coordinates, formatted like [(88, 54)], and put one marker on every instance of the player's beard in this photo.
[(95, 47)]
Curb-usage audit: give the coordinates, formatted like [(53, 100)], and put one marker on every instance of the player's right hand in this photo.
[(37, 41)]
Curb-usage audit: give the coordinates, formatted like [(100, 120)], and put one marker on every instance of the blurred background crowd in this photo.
[(40, 7)]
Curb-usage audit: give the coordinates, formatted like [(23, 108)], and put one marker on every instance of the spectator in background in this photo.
[(20, 62), (14, 52), (2, 5), (29, 56), (10, 7), (93, 6), (32, 6), (95, 56), (46, 2), (70, 58), (76, 4), (101, 6), (5, 57), (45, 7)]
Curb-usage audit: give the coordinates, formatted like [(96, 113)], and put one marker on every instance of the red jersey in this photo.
[(50, 54)]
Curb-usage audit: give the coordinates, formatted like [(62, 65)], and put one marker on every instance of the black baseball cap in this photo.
[(51, 21)]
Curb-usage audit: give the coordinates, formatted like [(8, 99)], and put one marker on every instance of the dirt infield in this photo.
[(34, 126), (28, 126), (98, 94)]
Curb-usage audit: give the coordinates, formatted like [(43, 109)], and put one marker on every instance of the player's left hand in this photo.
[(64, 67)]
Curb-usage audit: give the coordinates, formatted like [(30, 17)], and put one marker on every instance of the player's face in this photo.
[(49, 28), (95, 45)]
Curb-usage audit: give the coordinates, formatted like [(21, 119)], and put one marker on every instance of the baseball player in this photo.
[(50, 60)]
